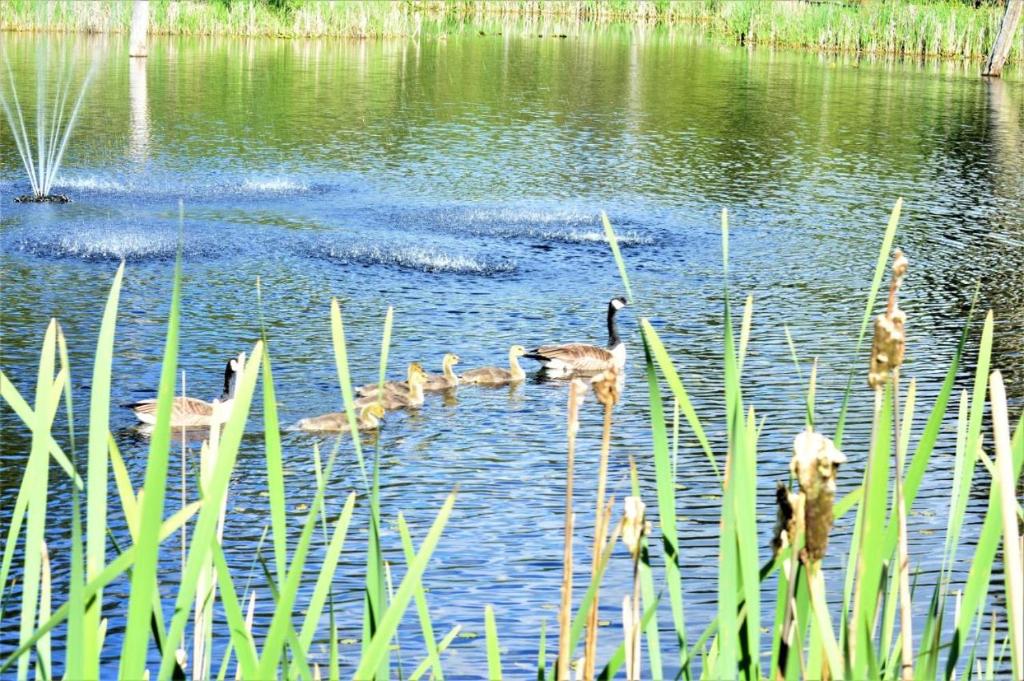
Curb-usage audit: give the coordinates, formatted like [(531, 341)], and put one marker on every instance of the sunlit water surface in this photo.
[(461, 181)]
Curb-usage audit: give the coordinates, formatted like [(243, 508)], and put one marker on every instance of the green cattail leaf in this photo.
[(378, 646), (493, 648), (423, 610)]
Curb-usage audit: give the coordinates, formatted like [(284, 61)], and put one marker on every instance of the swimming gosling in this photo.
[(337, 421), (497, 375), (447, 378), (401, 400)]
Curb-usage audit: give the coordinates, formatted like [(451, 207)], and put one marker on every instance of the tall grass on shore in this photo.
[(946, 28), (866, 635)]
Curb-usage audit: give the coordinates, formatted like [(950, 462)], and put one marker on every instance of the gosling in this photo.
[(497, 375), (337, 421), (411, 397)]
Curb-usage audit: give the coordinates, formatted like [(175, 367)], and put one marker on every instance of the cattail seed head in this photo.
[(899, 264), (887, 348), (633, 525), (606, 386), (889, 342), (815, 465)]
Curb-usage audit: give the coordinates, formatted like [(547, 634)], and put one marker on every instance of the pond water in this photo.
[(460, 180)]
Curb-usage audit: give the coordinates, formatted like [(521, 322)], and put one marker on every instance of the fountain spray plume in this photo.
[(53, 128)]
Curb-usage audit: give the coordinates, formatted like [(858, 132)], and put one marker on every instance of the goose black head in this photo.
[(614, 305), (231, 372)]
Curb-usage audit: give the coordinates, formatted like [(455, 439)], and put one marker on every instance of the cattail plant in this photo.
[(577, 393), (804, 522), (887, 351), (606, 390), (634, 528)]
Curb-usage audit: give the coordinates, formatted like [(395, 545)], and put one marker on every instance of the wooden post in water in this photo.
[(1004, 39), (140, 27)]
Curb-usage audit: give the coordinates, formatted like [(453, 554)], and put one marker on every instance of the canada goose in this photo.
[(193, 412), (447, 378), (337, 421), (412, 397), (497, 375), (581, 358), (402, 387)]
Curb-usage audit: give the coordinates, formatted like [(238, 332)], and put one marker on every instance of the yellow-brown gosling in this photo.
[(337, 421), (413, 397), (447, 378), (581, 358), (193, 412), (497, 375), (370, 389)]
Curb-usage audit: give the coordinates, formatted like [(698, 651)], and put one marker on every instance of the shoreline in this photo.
[(945, 29)]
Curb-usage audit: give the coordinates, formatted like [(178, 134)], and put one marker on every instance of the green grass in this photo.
[(738, 644), (947, 28)]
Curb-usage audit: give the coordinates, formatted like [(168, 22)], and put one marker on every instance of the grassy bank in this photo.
[(853, 625), (948, 28)]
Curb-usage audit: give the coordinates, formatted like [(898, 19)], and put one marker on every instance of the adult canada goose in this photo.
[(582, 358), (193, 412), (447, 378), (412, 397), (337, 422), (497, 375)]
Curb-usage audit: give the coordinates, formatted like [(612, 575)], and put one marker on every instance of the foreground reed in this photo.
[(857, 638)]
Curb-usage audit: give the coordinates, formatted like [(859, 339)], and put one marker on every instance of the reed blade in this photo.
[(112, 571), (326, 575), (20, 407), (76, 604), (876, 283), (375, 652), (423, 609), (97, 470), (241, 639), (37, 482), (493, 647), (275, 468), (204, 532)]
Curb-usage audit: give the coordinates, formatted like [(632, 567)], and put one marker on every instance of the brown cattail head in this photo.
[(899, 265), (606, 386), (887, 347), (633, 525), (889, 343), (815, 465)]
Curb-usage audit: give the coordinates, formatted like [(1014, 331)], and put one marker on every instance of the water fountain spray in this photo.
[(53, 128)]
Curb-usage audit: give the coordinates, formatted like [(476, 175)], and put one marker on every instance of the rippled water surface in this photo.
[(460, 181)]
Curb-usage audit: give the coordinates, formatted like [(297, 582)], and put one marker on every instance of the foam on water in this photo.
[(415, 258), (273, 185), (102, 245), (90, 183), (567, 227)]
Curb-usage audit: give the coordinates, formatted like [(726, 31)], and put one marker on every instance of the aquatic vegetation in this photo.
[(940, 28), (843, 625), (54, 122)]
